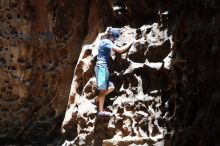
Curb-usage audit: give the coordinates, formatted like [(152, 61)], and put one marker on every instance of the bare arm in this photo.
[(121, 49)]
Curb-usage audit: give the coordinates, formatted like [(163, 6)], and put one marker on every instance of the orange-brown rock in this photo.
[(40, 42)]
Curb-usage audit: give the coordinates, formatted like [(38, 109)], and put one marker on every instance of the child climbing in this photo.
[(102, 65)]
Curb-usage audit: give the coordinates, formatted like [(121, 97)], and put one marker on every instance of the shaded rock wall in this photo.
[(196, 65)]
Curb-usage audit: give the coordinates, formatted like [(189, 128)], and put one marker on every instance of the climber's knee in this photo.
[(110, 89), (111, 86), (102, 92)]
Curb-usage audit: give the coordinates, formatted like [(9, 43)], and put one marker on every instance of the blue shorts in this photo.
[(102, 77)]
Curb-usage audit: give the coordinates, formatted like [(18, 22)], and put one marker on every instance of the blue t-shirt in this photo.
[(104, 51)]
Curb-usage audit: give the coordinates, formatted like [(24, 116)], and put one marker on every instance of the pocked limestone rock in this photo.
[(138, 106)]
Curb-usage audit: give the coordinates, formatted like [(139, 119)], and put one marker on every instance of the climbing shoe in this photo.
[(105, 113)]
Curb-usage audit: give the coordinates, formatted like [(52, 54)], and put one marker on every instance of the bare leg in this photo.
[(109, 90), (101, 97)]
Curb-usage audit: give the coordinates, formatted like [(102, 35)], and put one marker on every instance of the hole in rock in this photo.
[(148, 30), (9, 93), (45, 85), (171, 107), (28, 67), (13, 31), (15, 5), (54, 8), (9, 17), (10, 87), (20, 60), (44, 67), (4, 109), (18, 16), (155, 131), (139, 55), (158, 53), (3, 89), (13, 67), (2, 61), (182, 55)]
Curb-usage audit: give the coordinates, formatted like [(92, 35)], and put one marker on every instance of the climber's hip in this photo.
[(102, 77)]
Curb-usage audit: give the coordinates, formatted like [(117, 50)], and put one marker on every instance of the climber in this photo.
[(101, 69)]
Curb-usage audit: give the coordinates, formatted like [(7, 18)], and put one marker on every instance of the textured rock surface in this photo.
[(140, 110), (196, 66), (39, 45), (40, 42), (194, 77)]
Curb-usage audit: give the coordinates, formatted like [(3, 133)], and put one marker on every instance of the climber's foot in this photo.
[(105, 113)]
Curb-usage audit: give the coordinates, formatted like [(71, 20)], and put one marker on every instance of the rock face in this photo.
[(188, 90), (196, 66), (39, 46), (140, 110), (167, 84)]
